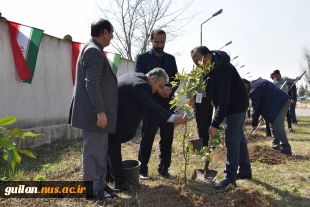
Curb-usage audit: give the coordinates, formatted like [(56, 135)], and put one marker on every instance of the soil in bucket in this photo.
[(132, 170)]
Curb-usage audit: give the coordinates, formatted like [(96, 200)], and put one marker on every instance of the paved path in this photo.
[(302, 112)]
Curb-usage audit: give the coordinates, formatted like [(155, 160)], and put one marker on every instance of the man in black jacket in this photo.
[(293, 95), (135, 97), (230, 98)]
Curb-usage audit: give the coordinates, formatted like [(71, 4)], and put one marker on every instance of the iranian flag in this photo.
[(25, 45), (114, 59), (76, 48)]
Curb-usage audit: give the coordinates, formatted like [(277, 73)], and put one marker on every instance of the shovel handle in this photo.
[(296, 81), (247, 137), (210, 136)]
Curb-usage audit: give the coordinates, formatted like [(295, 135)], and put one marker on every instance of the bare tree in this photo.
[(305, 64), (135, 19)]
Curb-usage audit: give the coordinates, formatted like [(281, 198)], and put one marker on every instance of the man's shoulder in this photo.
[(169, 55), (147, 53)]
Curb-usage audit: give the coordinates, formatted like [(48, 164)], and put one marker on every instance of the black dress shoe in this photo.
[(144, 176), (286, 151), (110, 191), (222, 185), (102, 195), (166, 175), (122, 187), (247, 176)]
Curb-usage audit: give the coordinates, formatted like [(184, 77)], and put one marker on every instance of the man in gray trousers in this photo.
[(272, 104), (94, 106)]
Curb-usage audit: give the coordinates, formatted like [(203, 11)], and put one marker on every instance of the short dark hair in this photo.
[(202, 50), (275, 72), (98, 26), (157, 32)]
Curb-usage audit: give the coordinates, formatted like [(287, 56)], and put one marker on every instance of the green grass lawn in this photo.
[(283, 184)]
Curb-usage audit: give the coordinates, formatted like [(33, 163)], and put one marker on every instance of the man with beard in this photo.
[(145, 62)]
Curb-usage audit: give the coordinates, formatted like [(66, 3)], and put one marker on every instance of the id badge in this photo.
[(198, 97)]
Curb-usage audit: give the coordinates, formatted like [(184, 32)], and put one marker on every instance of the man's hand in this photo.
[(165, 92), (102, 120), (298, 77), (212, 131), (292, 101), (191, 103), (254, 128), (179, 119)]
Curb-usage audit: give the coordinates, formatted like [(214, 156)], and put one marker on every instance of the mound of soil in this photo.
[(266, 155), (261, 154), (258, 138), (243, 197), (183, 196)]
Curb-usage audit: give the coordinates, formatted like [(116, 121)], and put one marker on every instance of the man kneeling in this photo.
[(134, 98)]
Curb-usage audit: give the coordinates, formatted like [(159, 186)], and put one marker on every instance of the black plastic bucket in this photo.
[(132, 171)]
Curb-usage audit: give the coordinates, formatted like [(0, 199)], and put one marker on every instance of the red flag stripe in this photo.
[(20, 62), (75, 54)]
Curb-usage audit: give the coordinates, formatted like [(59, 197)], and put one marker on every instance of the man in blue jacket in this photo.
[(272, 104), (229, 96), (145, 62)]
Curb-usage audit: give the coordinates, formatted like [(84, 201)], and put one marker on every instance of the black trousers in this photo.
[(268, 130), (115, 168), (151, 122), (289, 119), (203, 119)]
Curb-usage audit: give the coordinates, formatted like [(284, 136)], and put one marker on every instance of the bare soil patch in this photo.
[(173, 195), (258, 138), (261, 154)]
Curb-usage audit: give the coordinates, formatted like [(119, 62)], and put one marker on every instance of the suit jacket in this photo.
[(267, 100), (147, 61), (135, 97), (95, 90)]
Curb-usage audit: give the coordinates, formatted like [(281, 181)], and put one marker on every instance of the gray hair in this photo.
[(158, 73)]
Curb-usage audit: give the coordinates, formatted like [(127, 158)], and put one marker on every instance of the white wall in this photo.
[(46, 101)]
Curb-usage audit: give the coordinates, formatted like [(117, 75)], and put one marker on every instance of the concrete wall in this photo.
[(47, 100)]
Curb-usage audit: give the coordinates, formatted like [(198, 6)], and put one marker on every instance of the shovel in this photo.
[(206, 175)]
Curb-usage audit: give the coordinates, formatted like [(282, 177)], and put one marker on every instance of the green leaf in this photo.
[(190, 146), (29, 134), (7, 143), (13, 163), (10, 155), (171, 102), (27, 152), (7, 120), (17, 157), (5, 156), (16, 132)]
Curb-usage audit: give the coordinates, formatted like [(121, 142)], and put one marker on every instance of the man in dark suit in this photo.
[(94, 106), (272, 104), (135, 97), (145, 62)]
